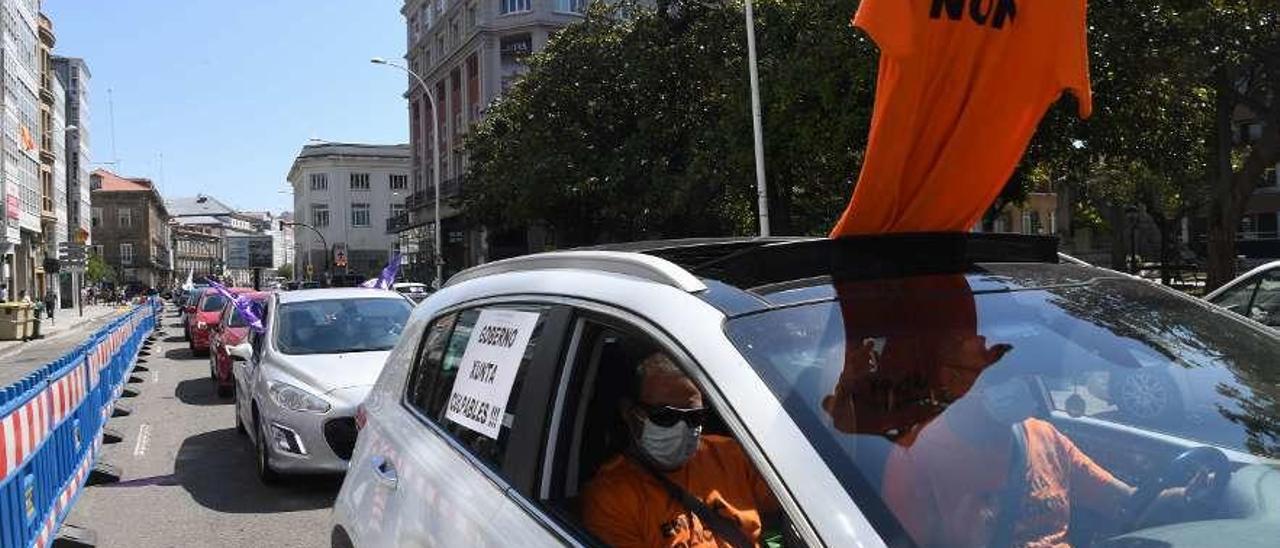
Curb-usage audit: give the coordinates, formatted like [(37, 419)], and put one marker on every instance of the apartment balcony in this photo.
[(397, 223), (449, 190)]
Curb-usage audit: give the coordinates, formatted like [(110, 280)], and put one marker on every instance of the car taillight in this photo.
[(361, 417)]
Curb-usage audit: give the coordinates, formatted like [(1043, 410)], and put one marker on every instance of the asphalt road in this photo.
[(188, 477)]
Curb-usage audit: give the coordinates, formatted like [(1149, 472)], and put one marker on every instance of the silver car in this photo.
[(853, 374), (298, 383)]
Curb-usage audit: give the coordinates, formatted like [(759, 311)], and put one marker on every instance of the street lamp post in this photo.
[(323, 241), (762, 188), (435, 163)]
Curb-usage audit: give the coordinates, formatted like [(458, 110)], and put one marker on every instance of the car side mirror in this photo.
[(241, 352)]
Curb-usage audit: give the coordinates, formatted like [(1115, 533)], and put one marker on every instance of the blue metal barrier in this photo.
[(51, 425)]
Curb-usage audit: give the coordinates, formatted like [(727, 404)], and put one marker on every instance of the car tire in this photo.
[(339, 539), (1147, 395), (223, 391), (262, 457), (239, 423)]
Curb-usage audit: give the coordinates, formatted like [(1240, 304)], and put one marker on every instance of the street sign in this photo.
[(250, 252), (310, 271), (340, 255)]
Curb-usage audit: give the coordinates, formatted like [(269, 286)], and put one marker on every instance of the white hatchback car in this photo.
[(299, 382), (836, 365)]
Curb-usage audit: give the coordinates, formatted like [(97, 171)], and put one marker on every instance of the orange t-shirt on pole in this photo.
[(962, 86)]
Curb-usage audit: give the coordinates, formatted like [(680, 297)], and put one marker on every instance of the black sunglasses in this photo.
[(667, 416)]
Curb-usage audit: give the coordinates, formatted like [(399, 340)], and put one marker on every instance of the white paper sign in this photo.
[(488, 369)]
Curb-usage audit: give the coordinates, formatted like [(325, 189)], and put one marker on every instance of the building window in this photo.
[(513, 6), (471, 17), (96, 218), (319, 215), (399, 182), (126, 253), (571, 6), (359, 181), (396, 210), (360, 215), (319, 181), (125, 216)]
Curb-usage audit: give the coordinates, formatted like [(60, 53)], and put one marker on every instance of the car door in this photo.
[(587, 431), (440, 469), (243, 371)]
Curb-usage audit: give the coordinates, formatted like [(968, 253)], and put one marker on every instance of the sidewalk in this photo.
[(68, 329)]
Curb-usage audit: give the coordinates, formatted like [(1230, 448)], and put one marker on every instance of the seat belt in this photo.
[(723, 528), (1015, 490)]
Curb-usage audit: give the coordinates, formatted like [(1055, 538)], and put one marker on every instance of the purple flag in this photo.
[(244, 305), (388, 276)]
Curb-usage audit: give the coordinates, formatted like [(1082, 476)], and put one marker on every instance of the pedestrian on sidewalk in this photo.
[(23, 297), (4, 293), (50, 302)]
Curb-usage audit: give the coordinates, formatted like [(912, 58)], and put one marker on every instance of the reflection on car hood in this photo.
[(328, 372)]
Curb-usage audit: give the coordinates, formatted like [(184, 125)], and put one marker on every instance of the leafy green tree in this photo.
[(285, 271), (635, 124), (97, 270)]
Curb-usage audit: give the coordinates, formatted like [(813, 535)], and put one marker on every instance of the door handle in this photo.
[(385, 471)]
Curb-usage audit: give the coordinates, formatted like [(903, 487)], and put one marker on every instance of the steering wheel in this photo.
[(1181, 470)]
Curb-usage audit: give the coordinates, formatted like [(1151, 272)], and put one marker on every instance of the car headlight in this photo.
[(297, 399)]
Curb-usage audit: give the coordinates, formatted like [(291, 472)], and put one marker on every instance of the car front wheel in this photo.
[(266, 474)]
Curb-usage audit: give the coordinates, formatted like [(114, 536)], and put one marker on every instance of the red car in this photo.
[(203, 315), (230, 330)]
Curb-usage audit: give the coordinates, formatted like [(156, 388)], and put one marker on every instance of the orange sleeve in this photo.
[(1091, 485), (611, 513), (906, 498), (1073, 62), (889, 23)]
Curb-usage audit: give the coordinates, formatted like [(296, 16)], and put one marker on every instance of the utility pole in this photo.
[(762, 187)]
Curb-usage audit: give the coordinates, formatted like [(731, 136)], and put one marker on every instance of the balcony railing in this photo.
[(397, 223), (449, 189)]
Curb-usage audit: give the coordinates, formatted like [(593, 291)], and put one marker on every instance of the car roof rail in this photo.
[(646, 267)]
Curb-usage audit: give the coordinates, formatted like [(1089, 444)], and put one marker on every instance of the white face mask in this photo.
[(669, 447)]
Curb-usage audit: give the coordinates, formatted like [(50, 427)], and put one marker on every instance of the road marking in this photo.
[(144, 440), (155, 377)]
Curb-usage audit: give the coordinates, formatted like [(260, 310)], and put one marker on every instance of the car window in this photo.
[(1237, 298), (1266, 300), (446, 388), (212, 303), (912, 390), (596, 487), (336, 326)]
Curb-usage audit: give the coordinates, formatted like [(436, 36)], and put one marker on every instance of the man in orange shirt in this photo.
[(636, 498), (955, 484)]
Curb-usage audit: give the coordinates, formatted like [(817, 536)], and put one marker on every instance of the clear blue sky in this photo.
[(228, 91)]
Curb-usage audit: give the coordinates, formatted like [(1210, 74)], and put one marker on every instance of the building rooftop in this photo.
[(354, 149), (200, 220), (115, 183), (199, 205)]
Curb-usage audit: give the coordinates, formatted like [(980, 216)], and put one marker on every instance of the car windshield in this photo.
[(213, 303), (916, 393), (340, 326)]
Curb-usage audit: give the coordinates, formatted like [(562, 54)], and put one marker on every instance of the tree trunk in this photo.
[(1222, 222), (1119, 242)]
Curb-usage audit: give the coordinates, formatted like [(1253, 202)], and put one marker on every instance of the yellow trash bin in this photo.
[(13, 325)]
